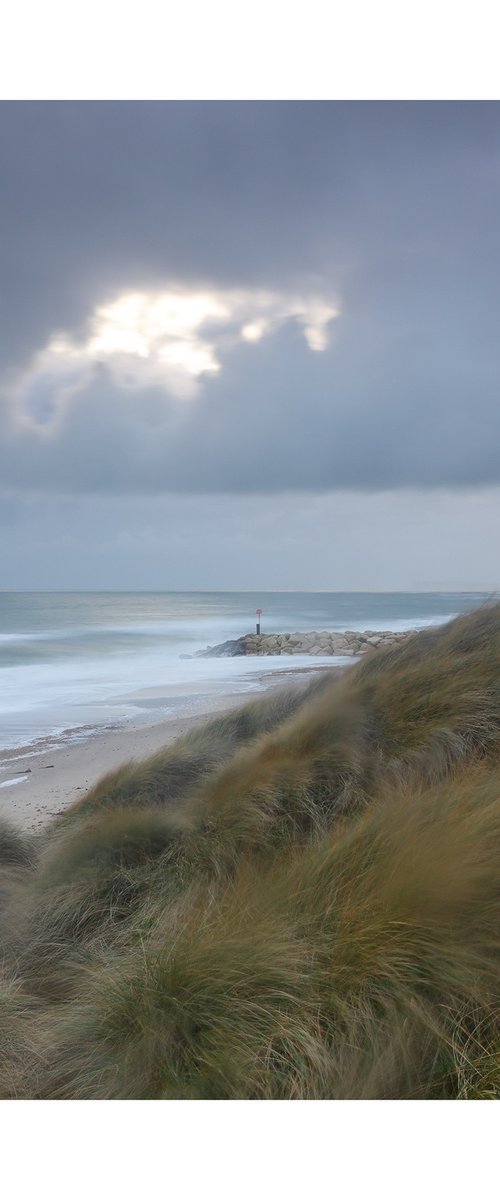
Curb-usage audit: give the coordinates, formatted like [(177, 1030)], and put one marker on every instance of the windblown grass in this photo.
[(300, 900)]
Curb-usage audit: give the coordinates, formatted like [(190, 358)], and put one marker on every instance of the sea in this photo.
[(74, 662)]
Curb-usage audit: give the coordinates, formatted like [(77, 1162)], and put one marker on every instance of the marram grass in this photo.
[(300, 900)]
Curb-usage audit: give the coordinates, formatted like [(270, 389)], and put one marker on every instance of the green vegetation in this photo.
[(299, 900)]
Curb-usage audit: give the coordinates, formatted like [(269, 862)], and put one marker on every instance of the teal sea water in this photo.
[(69, 660)]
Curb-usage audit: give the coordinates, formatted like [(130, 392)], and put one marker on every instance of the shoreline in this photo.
[(44, 782)]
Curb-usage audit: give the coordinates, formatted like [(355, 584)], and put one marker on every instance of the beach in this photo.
[(93, 680), (36, 787), (39, 782)]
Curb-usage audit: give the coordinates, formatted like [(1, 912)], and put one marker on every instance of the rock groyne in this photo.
[(349, 643)]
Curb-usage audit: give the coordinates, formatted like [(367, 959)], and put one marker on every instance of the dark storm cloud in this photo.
[(391, 207)]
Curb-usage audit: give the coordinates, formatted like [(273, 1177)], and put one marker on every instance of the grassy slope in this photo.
[(297, 900)]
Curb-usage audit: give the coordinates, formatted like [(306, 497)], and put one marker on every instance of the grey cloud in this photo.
[(391, 541), (101, 196), (395, 205), (279, 417)]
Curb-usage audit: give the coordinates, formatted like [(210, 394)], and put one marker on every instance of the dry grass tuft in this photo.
[(300, 900)]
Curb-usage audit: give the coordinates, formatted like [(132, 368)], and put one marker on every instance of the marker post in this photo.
[(259, 614)]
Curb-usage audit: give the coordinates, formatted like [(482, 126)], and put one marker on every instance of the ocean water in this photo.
[(74, 660)]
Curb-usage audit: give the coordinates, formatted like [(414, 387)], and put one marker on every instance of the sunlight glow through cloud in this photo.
[(165, 339)]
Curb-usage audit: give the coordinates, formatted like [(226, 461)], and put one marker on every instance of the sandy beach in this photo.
[(36, 785), (43, 785)]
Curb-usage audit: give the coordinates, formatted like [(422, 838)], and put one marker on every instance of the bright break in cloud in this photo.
[(165, 339)]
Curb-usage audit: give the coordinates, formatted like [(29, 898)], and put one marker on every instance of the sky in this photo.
[(250, 345)]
